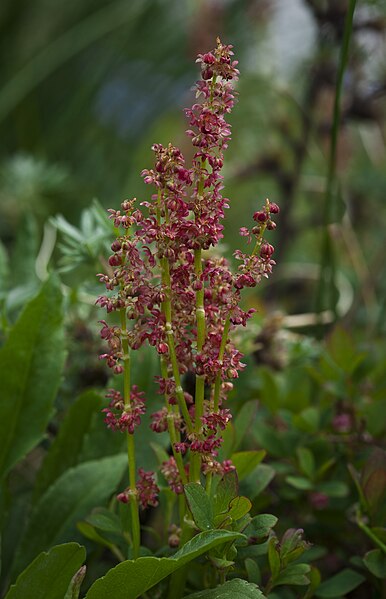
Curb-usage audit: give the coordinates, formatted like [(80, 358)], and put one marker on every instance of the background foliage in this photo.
[(88, 87)]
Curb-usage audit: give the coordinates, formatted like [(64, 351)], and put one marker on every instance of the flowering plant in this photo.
[(172, 292)]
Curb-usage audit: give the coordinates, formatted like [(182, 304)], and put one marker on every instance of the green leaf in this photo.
[(256, 482), (199, 505), (306, 461), (106, 520), (308, 420), (65, 450), (333, 488), (294, 574), (239, 507), (253, 571), (375, 561), (244, 420), (260, 526), (233, 589), (340, 584), (31, 362), (131, 579), (227, 489), (50, 574), (342, 350), (246, 461), (68, 500), (299, 482), (274, 558)]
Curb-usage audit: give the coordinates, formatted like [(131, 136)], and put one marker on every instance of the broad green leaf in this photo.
[(340, 584), (260, 526), (294, 574), (65, 450), (246, 461), (31, 362), (131, 579), (375, 561), (343, 351), (227, 489), (256, 482), (244, 420), (104, 519), (50, 574), (239, 507), (233, 589), (199, 505), (71, 498), (308, 420)]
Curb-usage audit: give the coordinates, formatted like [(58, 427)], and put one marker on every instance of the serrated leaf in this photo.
[(31, 362), (199, 505), (65, 450), (340, 584), (131, 579), (245, 462), (50, 574), (233, 589), (68, 500)]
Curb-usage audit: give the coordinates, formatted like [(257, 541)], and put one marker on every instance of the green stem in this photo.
[(195, 462), (327, 270), (167, 308), (135, 524), (370, 533)]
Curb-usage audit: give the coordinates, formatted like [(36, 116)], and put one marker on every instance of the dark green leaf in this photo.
[(103, 519), (199, 505), (227, 489), (333, 488), (256, 482), (375, 561), (244, 420), (340, 584), (68, 500), (299, 482), (253, 571), (294, 574), (306, 461), (131, 579), (273, 558), (50, 574), (260, 526), (65, 450), (31, 362), (233, 589), (246, 461)]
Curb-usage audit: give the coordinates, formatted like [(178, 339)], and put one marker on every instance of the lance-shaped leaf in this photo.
[(31, 362), (50, 574), (132, 578), (68, 500)]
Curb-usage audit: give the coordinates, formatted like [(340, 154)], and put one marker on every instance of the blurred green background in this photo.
[(88, 86)]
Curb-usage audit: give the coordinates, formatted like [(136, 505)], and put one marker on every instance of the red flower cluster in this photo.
[(157, 272)]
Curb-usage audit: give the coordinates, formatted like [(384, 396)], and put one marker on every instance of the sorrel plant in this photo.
[(171, 289)]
